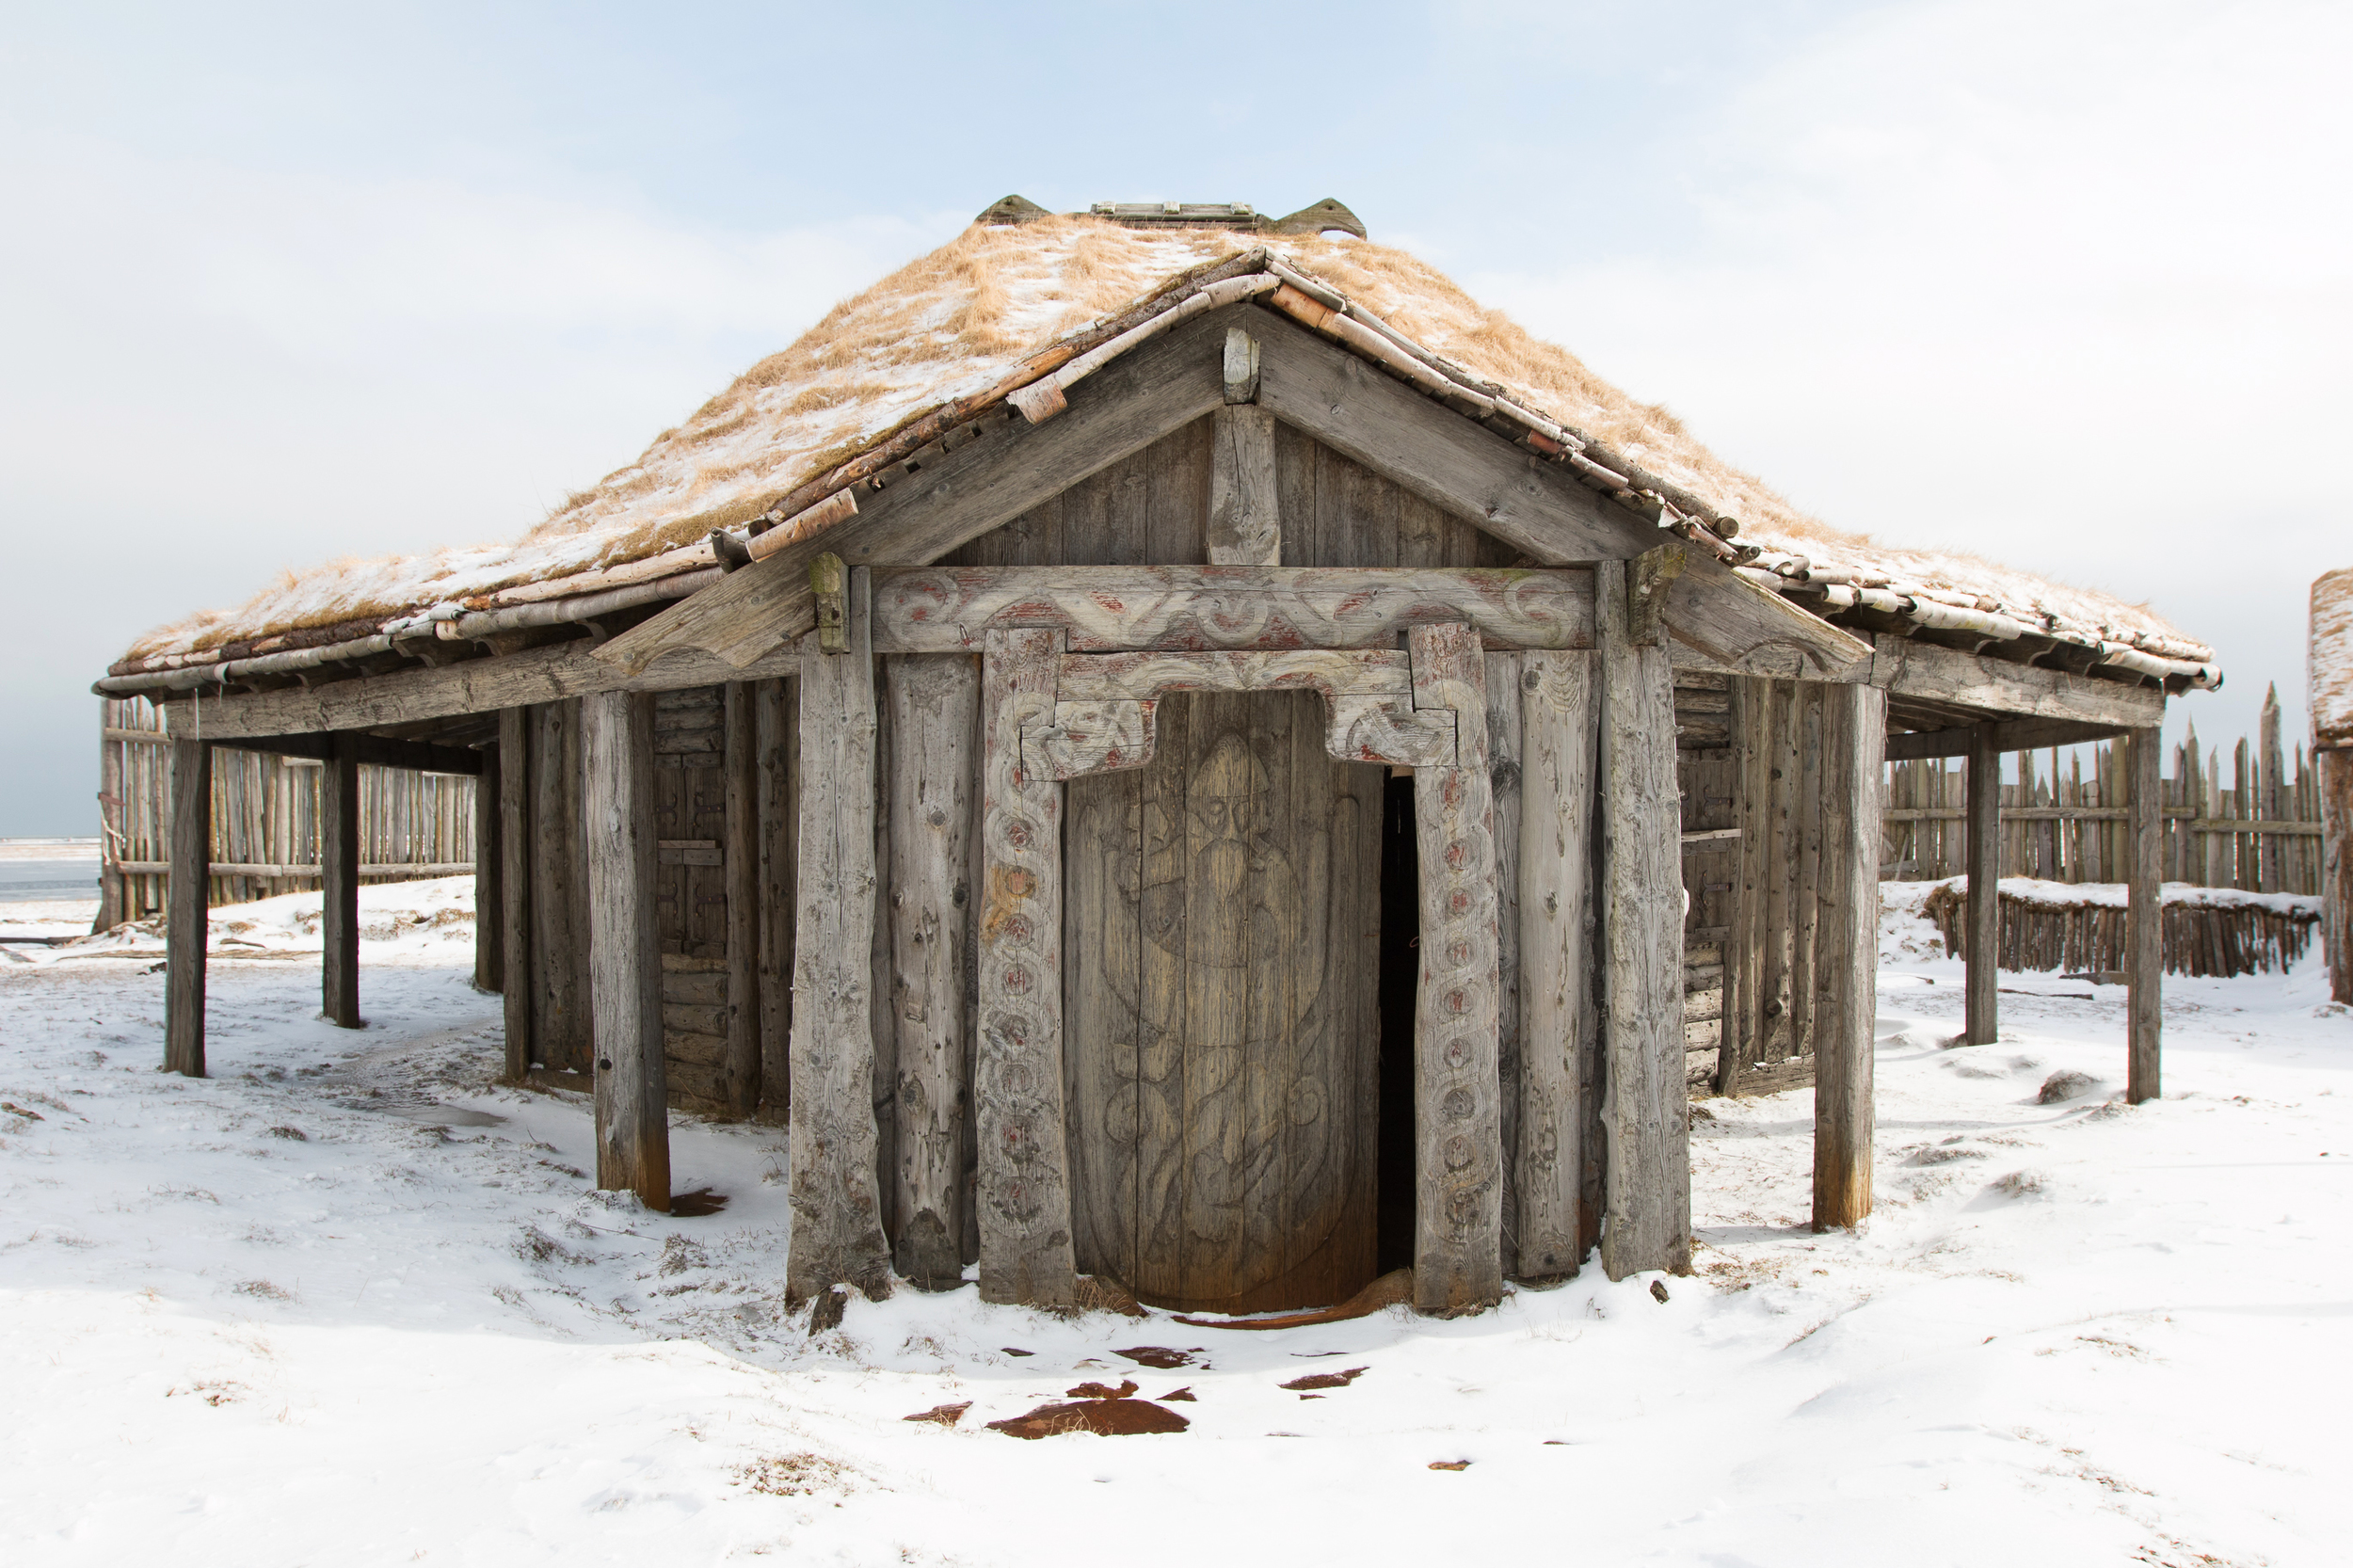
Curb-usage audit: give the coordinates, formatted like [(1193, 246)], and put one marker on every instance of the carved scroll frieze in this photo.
[(951, 609)]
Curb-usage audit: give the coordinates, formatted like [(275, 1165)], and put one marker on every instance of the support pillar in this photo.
[(624, 948), (934, 700), (1458, 1129), (1854, 757), (188, 888), (1981, 983), (2144, 921), (777, 730), (837, 1215), (511, 803), (741, 859), (339, 883), (1023, 1194), (490, 879), (2335, 767), (1558, 715), (1646, 1178)]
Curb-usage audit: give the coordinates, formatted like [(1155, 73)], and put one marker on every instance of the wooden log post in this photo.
[(935, 701), (338, 885), (2144, 921), (741, 865), (1981, 974), (113, 823), (1846, 956), (776, 732), (189, 887), (1458, 1129), (1558, 737), (837, 1214), (1645, 1115), (1246, 528), (1023, 1197), (512, 804), (624, 946), (490, 879), (2335, 767)]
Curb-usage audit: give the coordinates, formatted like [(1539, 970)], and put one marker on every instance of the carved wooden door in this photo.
[(1222, 1027)]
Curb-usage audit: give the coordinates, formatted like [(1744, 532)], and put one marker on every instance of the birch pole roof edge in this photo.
[(1016, 308)]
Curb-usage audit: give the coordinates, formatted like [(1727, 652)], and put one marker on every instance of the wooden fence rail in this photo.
[(265, 820), (2254, 825)]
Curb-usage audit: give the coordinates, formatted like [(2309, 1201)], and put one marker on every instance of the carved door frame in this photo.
[(1049, 715)]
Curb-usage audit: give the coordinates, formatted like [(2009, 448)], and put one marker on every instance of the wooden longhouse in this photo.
[(1174, 750)]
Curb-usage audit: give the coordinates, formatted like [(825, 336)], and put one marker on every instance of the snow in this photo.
[(349, 1301), (2115, 895)]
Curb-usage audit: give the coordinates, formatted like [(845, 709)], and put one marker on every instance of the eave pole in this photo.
[(2144, 923), (185, 927), (1981, 977), (338, 885)]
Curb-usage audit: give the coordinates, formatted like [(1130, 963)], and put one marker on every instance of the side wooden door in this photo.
[(1221, 1033)]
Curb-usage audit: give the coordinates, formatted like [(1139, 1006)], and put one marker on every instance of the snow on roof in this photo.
[(980, 317), (2331, 666)]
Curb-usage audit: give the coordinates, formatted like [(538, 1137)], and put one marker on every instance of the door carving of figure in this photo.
[(1221, 1040)]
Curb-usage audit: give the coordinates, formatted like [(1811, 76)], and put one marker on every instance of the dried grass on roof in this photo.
[(954, 323)]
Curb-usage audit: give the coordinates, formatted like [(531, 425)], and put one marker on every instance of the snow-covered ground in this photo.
[(348, 1301)]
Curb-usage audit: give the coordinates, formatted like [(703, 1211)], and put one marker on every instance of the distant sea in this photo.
[(29, 875)]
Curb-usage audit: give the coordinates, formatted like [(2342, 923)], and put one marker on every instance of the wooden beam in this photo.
[(1467, 470), (489, 881), (837, 1215), (1558, 714), (777, 729), (2144, 920), (741, 862), (951, 609), (1981, 981), (1903, 667), (2335, 767), (2017, 735), (935, 706), (513, 806), (921, 513), (1246, 526), (1846, 963), (1458, 1135), (1647, 1175), (339, 883), (187, 892), (624, 948), (478, 686), (1027, 1254), (375, 751)]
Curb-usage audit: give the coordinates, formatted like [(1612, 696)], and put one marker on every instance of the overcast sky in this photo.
[(2062, 283)]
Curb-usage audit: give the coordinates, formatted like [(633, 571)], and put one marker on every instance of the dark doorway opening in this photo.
[(1400, 971)]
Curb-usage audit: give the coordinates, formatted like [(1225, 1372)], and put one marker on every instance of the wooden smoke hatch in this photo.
[(1320, 218)]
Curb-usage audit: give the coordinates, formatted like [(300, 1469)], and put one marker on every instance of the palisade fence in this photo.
[(2250, 827), (265, 819), (2253, 825)]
